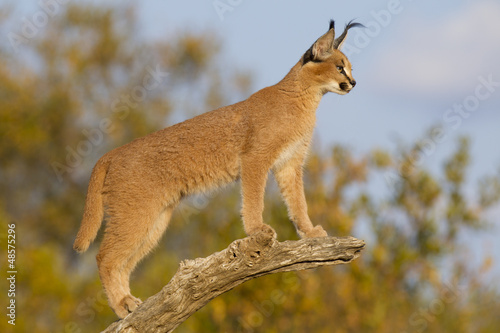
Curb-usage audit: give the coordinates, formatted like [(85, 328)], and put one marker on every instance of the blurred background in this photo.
[(407, 161)]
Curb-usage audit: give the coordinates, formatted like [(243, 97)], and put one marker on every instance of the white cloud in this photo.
[(443, 56)]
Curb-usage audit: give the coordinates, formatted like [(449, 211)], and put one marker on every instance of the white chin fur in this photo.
[(336, 89), (339, 91)]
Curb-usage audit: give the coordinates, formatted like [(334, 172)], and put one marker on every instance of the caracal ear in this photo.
[(339, 42), (322, 48)]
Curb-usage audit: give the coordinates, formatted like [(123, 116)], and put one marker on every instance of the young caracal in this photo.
[(140, 184)]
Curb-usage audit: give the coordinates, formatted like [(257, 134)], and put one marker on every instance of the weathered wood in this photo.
[(199, 281)]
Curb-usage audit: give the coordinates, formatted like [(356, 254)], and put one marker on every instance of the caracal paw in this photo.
[(127, 305), (264, 230), (315, 232)]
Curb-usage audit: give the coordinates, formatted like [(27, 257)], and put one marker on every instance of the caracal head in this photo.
[(325, 67)]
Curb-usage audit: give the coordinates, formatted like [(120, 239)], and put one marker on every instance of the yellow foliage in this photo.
[(76, 101)]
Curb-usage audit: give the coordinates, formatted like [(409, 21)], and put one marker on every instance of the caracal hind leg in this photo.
[(150, 241), (125, 233), (289, 179)]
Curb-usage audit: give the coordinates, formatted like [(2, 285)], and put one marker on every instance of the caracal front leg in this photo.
[(289, 179), (253, 185)]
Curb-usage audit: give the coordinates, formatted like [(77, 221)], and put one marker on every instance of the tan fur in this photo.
[(141, 183)]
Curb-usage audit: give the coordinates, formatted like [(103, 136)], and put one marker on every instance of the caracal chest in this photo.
[(295, 149)]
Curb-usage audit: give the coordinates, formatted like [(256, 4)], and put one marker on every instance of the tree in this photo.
[(199, 281), (79, 88)]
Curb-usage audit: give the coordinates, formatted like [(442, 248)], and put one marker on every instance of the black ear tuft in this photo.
[(352, 24), (332, 25), (340, 40)]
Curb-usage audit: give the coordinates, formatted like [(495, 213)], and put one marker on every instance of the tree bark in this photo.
[(198, 281)]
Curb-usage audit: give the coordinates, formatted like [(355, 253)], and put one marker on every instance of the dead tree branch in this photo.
[(199, 281)]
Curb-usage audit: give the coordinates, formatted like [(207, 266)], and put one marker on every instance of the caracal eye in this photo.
[(340, 68)]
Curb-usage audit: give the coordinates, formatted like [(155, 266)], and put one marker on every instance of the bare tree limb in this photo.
[(199, 281)]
